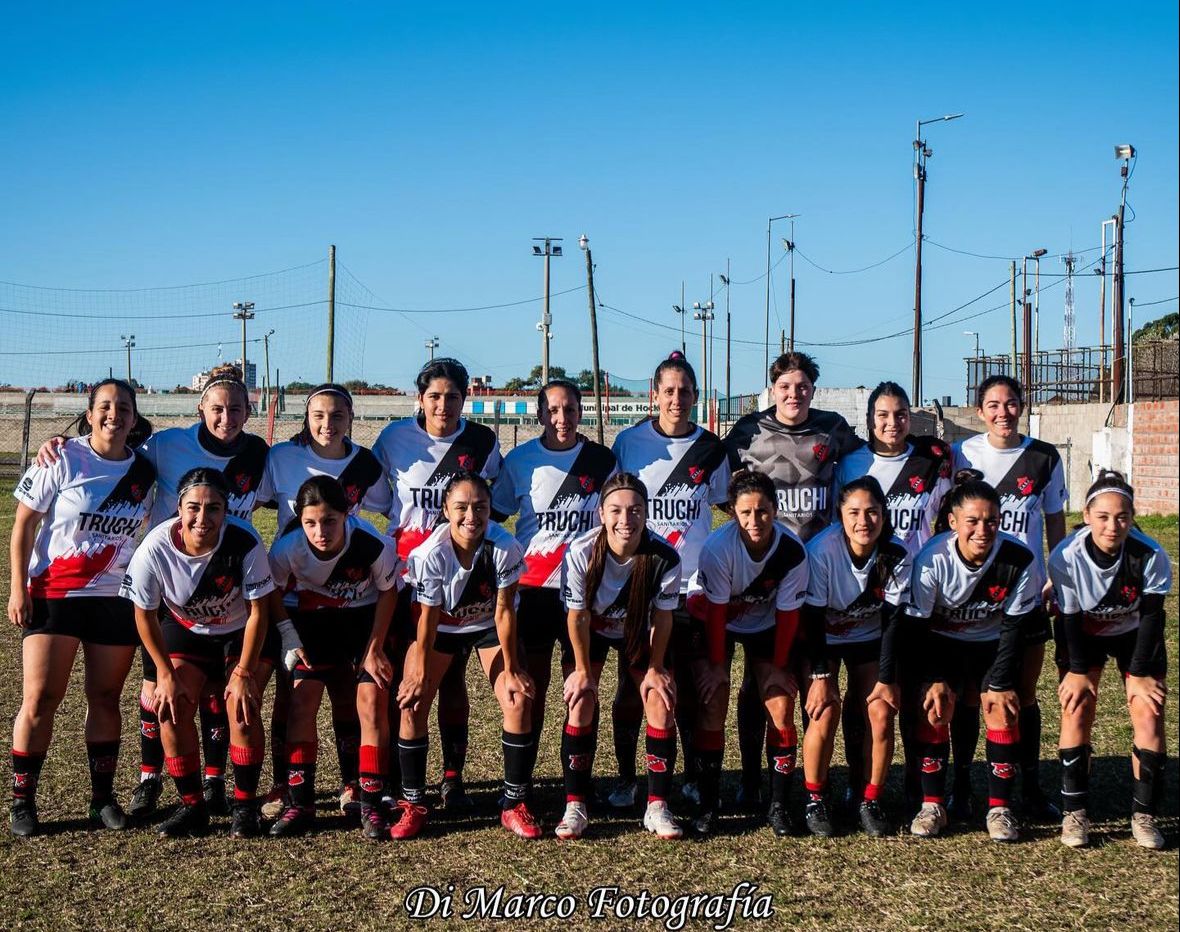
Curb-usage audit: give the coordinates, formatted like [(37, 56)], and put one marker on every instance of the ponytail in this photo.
[(968, 486)]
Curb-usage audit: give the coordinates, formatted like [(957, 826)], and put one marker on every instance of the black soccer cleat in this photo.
[(188, 821), (872, 819), (247, 821), (24, 818), (294, 821), (108, 815), (779, 820), (453, 795), (144, 798), (819, 822), (213, 790), (749, 797)]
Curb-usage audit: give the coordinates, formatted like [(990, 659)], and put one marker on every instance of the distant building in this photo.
[(201, 379)]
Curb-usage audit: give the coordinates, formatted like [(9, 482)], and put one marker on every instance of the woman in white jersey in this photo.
[(552, 483), (337, 579), (749, 585), (860, 576), (685, 469), (199, 584), (1029, 478), (219, 441), (464, 578), (1109, 580), (421, 455), (978, 587), (915, 474), (620, 584), (72, 537), (323, 448)]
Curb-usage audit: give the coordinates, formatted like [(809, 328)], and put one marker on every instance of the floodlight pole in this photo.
[(549, 250)]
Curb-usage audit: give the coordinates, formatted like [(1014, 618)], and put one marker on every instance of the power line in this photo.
[(452, 310), (138, 349), (1160, 301), (802, 255), (224, 281), (112, 317)]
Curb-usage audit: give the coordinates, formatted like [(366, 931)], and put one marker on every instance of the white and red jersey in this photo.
[(608, 612), (752, 590), (420, 466), (849, 593), (1029, 479), (914, 483), (467, 597), (291, 464), (366, 566), (1108, 597), (176, 450), (968, 603), (93, 508), (683, 477), (206, 594), (556, 494)]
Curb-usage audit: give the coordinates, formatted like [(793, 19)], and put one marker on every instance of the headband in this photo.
[(222, 380), (196, 483), (1109, 488), (332, 391)]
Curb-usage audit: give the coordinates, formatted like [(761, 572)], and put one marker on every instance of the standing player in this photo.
[(72, 539), (1030, 480), (979, 588), (685, 470), (620, 584), (553, 483), (464, 578), (1110, 580), (798, 447), (421, 455)]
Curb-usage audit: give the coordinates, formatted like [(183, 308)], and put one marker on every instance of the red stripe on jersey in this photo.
[(409, 538), (69, 574), (540, 567)]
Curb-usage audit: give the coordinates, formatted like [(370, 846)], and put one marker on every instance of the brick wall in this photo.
[(1155, 467)]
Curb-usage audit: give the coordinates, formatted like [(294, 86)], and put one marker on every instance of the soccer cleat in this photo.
[(452, 795), (24, 818), (295, 820), (1037, 807), (819, 823), (623, 794), (213, 790), (930, 820), (705, 824), (780, 820), (690, 793), (659, 820), (749, 797), (409, 820), (274, 802), (144, 798), (373, 825), (873, 820), (107, 815), (1145, 832), (350, 798), (247, 821), (520, 822), (188, 820), (573, 823), (1075, 829), (1001, 826)]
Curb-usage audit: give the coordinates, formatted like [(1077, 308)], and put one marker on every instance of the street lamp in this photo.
[(728, 327), (584, 245), (266, 370), (129, 342), (1125, 152), (431, 346), (921, 155), (704, 313), (973, 333), (244, 311), (766, 348), (1026, 375), (549, 249), (683, 347)]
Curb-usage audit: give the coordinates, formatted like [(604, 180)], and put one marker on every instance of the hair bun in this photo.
[(964, 476), (676, 354)]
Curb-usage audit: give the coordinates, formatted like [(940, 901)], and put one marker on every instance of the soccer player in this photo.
[(552, 483), (72, 538), (337, 579), (978, 587), (685, 470), (750, 583), (620, 583), (798, 447), (860, 576), (464, 578), (421, 455), (1029, 478), (199, 584), (1109, 580)]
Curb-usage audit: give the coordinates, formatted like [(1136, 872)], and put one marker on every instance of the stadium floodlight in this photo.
[(1124, 151)]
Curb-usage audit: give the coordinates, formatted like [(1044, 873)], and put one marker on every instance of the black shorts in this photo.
[(92, 619), (461, 643), (214, 654), (334, 640), (540, 619), (854, 654), (1096, 648), (962, 663), (758, 645), (1037, 628), (600, 648)]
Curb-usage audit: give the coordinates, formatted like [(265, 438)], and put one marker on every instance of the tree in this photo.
[(299, 387), (1164, 328), (585, 379)]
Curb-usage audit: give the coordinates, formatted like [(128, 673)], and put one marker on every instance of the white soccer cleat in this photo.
[(930, 820), (1145, 832), (573, 823), (1075, 829), (658, 819), (1001, 826)]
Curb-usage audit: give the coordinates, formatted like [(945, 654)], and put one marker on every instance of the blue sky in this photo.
[(152, 146)]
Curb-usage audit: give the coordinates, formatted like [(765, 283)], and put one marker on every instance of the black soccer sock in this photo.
[(687, 713), (911, 754), (710, 749), (151, 749), (278, 750), (782, 753), (1075, 777), (412, 755), (935, 742), (214, 734), (26, 774), (301, 761), (1030, 749), (577, 761), (1149, 785), (372, 774), (853, 722), (347, 732), (964, 742), (185, 772), (247, 772), (518, 775), (751, 725), (626, 735), (103, 758), (1003, 750), (661, 761), (453, 737)]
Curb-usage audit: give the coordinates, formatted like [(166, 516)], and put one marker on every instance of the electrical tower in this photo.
[(1071, 335)]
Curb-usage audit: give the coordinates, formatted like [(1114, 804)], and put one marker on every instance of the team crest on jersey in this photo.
[(587, 483), (138, 493), (485, 590), (355, 573), (879, 593), (466, 461), (1025, 485), (1130, 593), (821, 451), (918, 484), (224, 584), (657, 764), (353, 493), (938, 449), (696, 474), (997, 593), (242, 482)]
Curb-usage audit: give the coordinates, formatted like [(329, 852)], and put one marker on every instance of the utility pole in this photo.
[(704, 313), (1101, 270), (1126, 153), (1012, 301), (129, 342), (244, 311), (431, 346), (766, 335), (679, 309), (550, 249), (331, 370), (1026, 378), (266, 361), (584, 242), (728, 334), (791, 250)]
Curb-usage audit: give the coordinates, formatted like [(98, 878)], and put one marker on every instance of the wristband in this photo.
[(821, 676), (243, 673)]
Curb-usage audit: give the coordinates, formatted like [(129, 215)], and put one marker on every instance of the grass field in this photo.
[(74, 878)]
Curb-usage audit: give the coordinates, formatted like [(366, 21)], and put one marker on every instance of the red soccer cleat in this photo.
[(410, 820), (520, 821)]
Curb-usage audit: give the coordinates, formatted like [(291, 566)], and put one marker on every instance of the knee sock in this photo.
[(661, 761), (372, 774), (412, 755), (214, 734), (26, 773), (453, 736), (751, 722), (782, 752), (626, 733), (686, 725), (710, 749), (103, 758), (517, 774), (151, 749), (577, 761), (1003, 749), (184, 771), (935, 742), (278, 750), (247, 772), (911, 754), (301, 760), (1075, 777), (1149, 784), (853, 723), (964, 741), (347, 732), (1030, 748)]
